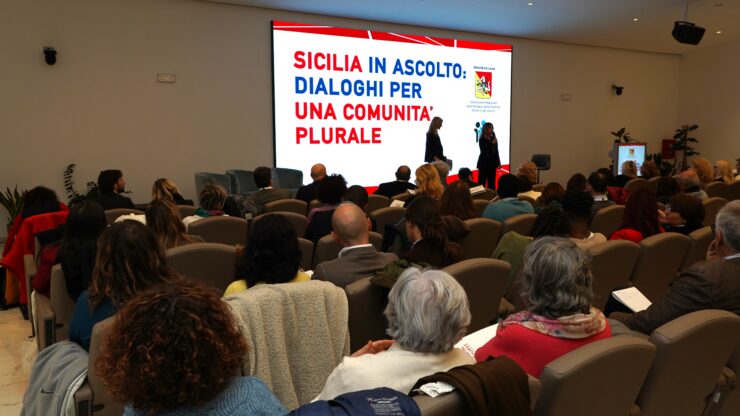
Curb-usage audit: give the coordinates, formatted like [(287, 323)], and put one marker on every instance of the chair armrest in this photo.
[(83, 400), (45, 321)]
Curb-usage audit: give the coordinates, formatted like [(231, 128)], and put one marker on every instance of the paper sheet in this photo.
[(632, 298)]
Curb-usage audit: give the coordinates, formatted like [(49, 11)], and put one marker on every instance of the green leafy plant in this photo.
[(12, 201), (665, 168), (623, 136), (73, 196), (683, 143)]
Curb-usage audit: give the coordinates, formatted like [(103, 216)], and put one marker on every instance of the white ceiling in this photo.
[(607, 23)]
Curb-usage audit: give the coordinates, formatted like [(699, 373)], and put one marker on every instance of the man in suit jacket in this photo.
[(111, 184), (266, 193), (714, 284), (358, 258), (399, 186), (309, 192)]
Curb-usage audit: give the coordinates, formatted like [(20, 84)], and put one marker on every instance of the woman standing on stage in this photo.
[(489, 160), (434, 150)]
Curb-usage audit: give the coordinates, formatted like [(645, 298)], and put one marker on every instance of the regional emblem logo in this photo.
[(482, 84)]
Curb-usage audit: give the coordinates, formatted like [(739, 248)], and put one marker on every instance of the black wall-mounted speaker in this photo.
[(686, 32)]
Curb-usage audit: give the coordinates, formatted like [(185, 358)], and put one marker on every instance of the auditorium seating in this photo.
[(376, 202), (484, 281), (607, 220), (717, 190), (328, 249), (733, 191), (486, 195), (286, 205), (204, 178), (726, 398), (611, 264), (539, 187), (366, 303), (389, 215), (661, 256), (112, 214), (221, 229), (290, 179), (240, 182), (307, 250), (480, 205), (186, 210), (691, 352), (482, 239), (298, 221), (53, 314), (711, 208), (211, 263), (522, 224), (699, 244), (529, 199), (639, 183), (404, 196)]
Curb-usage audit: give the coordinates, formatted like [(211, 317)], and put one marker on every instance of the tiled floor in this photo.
[(17, 352)]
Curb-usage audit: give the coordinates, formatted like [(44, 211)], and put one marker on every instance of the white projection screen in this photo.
[(361, 101)]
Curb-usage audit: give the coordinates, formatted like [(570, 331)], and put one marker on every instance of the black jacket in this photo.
[(433, 148), (390, 189)]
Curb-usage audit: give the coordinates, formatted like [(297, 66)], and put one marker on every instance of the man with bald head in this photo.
[(358, 258), (399, 186), (690, 184), (308, 192)]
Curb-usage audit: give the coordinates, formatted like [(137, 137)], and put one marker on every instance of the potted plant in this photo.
[(683, 143), (12, 201), (665, 168), (623, 136), (73, 196)]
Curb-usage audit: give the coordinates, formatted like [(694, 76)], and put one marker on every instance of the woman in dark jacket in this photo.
[(489, 160), (427, 232), (84, 225), (434, 150)]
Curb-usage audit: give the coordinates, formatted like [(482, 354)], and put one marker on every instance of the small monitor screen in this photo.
[(633, 152)]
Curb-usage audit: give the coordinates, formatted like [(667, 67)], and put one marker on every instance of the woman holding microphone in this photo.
[(489, 160)]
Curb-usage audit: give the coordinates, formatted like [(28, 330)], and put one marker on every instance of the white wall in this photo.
[(710, 97), (100, 107)]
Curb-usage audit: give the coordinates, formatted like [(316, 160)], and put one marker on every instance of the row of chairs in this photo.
[(237, 181)]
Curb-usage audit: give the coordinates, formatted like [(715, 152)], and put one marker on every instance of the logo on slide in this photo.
[(482, 84), (632, 152)]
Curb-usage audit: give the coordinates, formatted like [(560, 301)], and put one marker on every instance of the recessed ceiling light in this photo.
[(635, 19), (719, 32), (530, 4)]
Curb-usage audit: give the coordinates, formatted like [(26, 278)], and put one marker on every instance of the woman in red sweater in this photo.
[(640, 218), (556, 285)]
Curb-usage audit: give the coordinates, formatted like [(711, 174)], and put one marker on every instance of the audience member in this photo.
[(163, 219), (212, 199), (111, 184), (577, 206), (129, 259), (271, 256), (528, 169), (358, 258), (428, 183), (509, 205), (164, 188), (577, 182), (266, 193), (551, 196), (703, 170), (608, 176), (186, 356), (666, 188), (557, 288), (309, 192), (686, 214), (357, 195), (399, 186), (85, 223), (714, 284), (649, 170), (331, 190), (629, 172), (456, 201), (640, 218), (465, 175), (525, 188), (443, 169), (596, 185), (40, 200), (723, 172), (428, 235), (427, 315), (689, 183)]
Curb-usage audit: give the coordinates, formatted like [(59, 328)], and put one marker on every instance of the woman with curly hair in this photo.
[(187, 357), (427, 183), (162, 218), (456, 200), (640, 218), (129, 259)]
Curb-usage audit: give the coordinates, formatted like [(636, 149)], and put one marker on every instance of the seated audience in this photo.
[(456, 201), (577, 206), (509, 205), (666, 188), (596, 185), (357, 195), (525, 188), (164, 188), (266, 193), (723, 172), (40, 200), (465, 175), (629, 172), (685, 215), (427, 314), (608, 176), (331, 191), (689, 183), (577, 182), (528, 169), (443, 169), (649, 170), (111, 184), (428, 235), (129, 259), (556, 286), (427, 183), (85, 223), (309, 192), (399, 186), (271, 256), (186, 358), (714, 284), (163, 218), (358, 258), (703, 170), (212, 199), (640, 218), (551, 196)]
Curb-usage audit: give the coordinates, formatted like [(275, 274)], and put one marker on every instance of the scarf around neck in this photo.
[(578, 326)]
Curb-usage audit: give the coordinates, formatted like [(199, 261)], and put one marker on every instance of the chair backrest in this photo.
[(733, 191), (221, 229), (729, 403), (307, 249), (716, 189), (484, 281), (326, 249), (287, 178), (521, 223), (376, 239), (482, 239), (315, 203), (539, 187), (529, 199), (638, 183), (541, 160), (242, 181), (691, 351), (661, 256), (103, 403), (711, 208), (210, 263), (607, 220), (186, 210), (62, 305), (611, 264), (376, 202), (366, 305), (204, 178), (389, 215), (112, 214), (480, 205), (486, 195), (600, 378), (286, 205), (403, 196), (298, 221), (699, 244)]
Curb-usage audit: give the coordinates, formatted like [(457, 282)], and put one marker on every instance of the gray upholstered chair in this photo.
[(661, 256), (286, 205), (223, 179), (211, 263), (376, 202), (366, 305), (711, 208), (486, 195), (286, 178), (716, 190), (482, 239), (521, 223), (638, 183), (221, 229), (93, 398), (699, 244), (611, 264), (480, 205), (607, 220), (389, 215), (298, 221), (112, 214), (306, 247)]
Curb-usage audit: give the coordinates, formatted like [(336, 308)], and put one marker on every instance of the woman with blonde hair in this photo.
[(164, 188), (162, 218), (427, 182), (723, 172), (528, 169), (703, 170), (434, 150), (629, 172)]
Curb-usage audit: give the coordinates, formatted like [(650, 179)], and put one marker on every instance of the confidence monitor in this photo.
[(625, 152), (361, 101)]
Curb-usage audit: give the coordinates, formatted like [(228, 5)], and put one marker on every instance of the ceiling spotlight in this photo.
[(719, 32), (635, 19), (530, 4)]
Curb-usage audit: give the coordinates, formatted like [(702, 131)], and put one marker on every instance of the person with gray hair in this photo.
[(714, 284), (690, 184), (427, 314), (556, 287), (443, 169)]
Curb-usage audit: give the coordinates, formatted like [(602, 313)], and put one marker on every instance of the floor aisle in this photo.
[(17, 353)]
